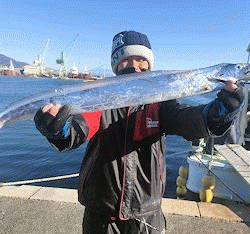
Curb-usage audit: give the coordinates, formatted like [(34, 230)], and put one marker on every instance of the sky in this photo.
[(183, 34)]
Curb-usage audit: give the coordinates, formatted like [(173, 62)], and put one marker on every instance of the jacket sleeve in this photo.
[(221, 112), (182, 120), (83, 127)]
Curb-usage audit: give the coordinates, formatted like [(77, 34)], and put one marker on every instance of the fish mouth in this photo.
[(247, 72)]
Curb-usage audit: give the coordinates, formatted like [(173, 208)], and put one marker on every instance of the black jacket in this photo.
[(123, 171)]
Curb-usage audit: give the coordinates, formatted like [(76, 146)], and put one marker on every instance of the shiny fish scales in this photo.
[(127, 90)]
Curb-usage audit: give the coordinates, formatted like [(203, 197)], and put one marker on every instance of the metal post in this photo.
[(212, 153), (248, 50)]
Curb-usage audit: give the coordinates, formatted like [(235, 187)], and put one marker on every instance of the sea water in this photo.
[(25, 154)]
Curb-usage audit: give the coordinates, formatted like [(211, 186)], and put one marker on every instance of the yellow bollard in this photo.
[(206, 195), (181, 181)]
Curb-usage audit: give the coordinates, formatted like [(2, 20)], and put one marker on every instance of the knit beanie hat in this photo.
[(130, 43)]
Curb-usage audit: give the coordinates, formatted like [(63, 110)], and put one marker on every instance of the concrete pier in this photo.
[(33, 209)]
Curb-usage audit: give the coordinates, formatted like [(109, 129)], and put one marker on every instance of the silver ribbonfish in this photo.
[(127, 90)]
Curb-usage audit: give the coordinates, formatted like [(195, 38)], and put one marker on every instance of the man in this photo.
[(123, 172)]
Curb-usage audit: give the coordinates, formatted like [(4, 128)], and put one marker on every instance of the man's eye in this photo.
[(140, 60)]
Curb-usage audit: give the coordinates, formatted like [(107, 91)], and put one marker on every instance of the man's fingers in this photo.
[(47, 107), (52, 109), (231, 85)]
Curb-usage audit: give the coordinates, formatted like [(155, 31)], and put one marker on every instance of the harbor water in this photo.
[(25, 154)]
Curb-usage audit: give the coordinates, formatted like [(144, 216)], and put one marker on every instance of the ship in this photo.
[(73, 73), (9, 71)]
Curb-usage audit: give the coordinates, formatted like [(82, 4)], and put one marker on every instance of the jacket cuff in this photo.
[(219, 124)]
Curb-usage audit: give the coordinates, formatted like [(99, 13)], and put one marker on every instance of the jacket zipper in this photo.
[(124, 166)]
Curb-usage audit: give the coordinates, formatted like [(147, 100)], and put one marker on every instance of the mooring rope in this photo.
[(39, 180), (77, 174), (58, 177)]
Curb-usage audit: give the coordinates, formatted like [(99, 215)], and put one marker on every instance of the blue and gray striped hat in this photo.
[(130, 43)]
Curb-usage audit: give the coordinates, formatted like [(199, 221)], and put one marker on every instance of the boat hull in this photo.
[(229, 183), (9, 73)]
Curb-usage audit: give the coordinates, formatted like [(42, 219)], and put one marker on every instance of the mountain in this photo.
[(5, 61)]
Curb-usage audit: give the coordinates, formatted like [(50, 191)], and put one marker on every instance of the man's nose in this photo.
[(133, 63)]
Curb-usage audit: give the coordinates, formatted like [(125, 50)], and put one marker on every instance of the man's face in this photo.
[(137, 62)]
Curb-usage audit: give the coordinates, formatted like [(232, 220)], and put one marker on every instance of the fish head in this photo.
[(234, 71)]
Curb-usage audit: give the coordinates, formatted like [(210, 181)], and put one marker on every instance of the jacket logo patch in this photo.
[(147, 122), (152, 123)]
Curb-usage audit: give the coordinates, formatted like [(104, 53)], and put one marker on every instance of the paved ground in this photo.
[(32, 209)]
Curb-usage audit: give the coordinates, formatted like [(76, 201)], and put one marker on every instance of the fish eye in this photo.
[(239, 66)]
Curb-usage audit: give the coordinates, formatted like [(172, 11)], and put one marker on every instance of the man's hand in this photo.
[(53, 121), (231, 96), (220, 113), (231, 85)]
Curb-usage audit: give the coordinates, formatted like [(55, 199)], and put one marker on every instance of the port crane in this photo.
[(40, 59), (63, 72)]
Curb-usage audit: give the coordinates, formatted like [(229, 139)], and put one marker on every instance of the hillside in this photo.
[(5, 61)]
